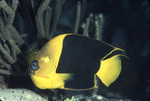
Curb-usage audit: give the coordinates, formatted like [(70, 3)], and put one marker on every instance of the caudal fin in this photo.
[(110, 69)]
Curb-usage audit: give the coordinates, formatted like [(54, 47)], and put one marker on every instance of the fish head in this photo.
[(41, 63)]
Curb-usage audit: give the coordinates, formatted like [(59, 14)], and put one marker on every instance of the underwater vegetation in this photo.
[(32, 23)]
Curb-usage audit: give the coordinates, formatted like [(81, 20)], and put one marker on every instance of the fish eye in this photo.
[(35, 53)]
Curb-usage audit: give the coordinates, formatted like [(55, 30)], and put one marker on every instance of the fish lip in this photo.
[(30, 71), (34, 65)]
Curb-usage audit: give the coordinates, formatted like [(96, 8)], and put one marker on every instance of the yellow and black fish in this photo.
[(72, 61)]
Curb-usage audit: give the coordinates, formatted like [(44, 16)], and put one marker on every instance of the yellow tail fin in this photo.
[(110, 69)]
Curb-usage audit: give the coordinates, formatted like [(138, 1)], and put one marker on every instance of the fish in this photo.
[(73, 61)]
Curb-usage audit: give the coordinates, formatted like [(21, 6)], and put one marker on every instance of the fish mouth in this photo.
[(31, 71), (33, 67)]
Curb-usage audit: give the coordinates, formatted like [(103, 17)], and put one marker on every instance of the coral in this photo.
[(19, 94), (99, 26), (11, 40), (85, 32), (9, 37), (39, 19), (58, 7), (3, 84), (93, 98), (77, 18), (41, 24), (72, 99), (97, 22)]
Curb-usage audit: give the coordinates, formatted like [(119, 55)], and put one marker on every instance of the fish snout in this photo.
[(34, 65)]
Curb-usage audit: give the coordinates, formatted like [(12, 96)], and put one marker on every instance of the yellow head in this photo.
[(43, 63)]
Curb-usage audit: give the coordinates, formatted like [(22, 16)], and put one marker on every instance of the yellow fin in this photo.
[(52, 81), (110, 69)]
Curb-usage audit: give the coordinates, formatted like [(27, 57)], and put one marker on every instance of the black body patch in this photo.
[(81, 82), (81, 55)]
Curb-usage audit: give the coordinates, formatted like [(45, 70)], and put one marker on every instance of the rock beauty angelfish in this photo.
[(72, 61)]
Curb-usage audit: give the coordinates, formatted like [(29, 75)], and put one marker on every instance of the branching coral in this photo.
[(97, 22), (77, 18), (58, 8), (10, 39), (43, 26)]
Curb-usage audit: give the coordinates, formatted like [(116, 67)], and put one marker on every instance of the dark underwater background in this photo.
[(126, 25)]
